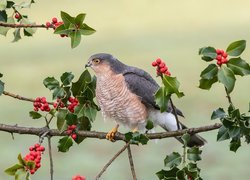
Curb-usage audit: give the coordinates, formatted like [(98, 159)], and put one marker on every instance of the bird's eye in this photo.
[(96, 61)]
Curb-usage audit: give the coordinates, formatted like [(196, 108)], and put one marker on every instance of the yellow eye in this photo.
[(96, 61)]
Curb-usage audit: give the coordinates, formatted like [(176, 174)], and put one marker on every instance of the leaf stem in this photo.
[(229, 97), (175, 114)]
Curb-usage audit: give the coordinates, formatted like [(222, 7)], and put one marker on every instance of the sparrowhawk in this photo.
[(126, 95)]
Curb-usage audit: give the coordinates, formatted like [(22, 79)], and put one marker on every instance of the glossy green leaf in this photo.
[(75, 37), (83, 124), (208, 53), (63, 30), (71, 119), (17, 35), (222, 134), (207, 83), (10, 4), (79, 85), (30, 31), (80, 110), (239, 66), (3, 16), (236, 48), (235, 144), (35, 115), (149, 125), (218, 113), (186, 138), (4, 30), (86, 30), (1, 87), (79, 19), (58, 93), (162, 99), (21, 174), (66, 78), (173, 160), (234, 131), (51, 83), (194, 154), (31, 164), (226, 77), (172, 86), (67, 19), (64, 144), (61, 120), (12, 170), (210, 72), (3, 5), (167, 175), (90, 113), (20, 160)]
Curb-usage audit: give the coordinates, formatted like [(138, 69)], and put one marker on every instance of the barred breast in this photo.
[(118, 103)]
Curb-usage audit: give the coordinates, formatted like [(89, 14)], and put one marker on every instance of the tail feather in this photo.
[(168, 122)]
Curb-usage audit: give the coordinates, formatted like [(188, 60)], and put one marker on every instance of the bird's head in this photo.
[(102, 63)]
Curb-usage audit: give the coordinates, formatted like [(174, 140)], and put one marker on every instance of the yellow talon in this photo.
[(135, 130), (111, 134)]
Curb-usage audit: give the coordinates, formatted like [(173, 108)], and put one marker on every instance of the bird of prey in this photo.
[(125, 94)]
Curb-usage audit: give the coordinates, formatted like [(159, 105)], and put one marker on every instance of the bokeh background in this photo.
[(136, 32)]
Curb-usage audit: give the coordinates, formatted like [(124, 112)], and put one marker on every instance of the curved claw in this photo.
[(111, 134)]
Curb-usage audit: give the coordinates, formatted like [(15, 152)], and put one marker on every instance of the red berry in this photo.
[(218, 51), (43, 100), (224, 55), (38, 99), (78, 177), (41, 148), (38, 165), (17, 16), (54, 20), (162, 70), (48, 24), (162, 65), (71, 99), (167, 73), (55, 105), (154, 63), (224, 61), (74, 136), (35, 109), (158, 61), (219, 63), (62, 105), (69, 132), (37, 145), (73, 127), (219, 57), (32, 171)]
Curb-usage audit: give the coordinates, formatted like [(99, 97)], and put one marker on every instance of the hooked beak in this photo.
[(89, 64)]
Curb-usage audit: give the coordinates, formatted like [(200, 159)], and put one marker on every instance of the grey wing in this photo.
[(144, 86)]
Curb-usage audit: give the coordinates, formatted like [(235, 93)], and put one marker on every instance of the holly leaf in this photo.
[(167, 175), (64, 144), (75, 37), (239, 66), (173, 160), (21, 174), (162, 99), (90, 113), (35, 115), (78, 86), (51, 83), (209, 72), (71, 119), (10, 4), (194, 154), (172, 86), (235, 144), (226, 77), (79, 19), (67, 19), (17, 35), (61, 120), (66, 78), (208, 53), (207, 83), (234, 131), (86, 30), (149, 125), (185, 138), (3, 16), (223, 134), (58, 93), (20, 160), (13, 169), (236, 48), (28, 31), (218, 113)]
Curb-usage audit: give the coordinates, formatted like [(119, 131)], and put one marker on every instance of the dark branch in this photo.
[(23, 25), (102, 135), (132, 167), (111, 160), (175, 114), (50, 158)]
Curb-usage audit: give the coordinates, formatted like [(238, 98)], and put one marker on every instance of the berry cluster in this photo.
[(55, 23), (71, 131), (42, 104), (34, 155), (58, 104), (161, 67), (78, 177), (73, 103), (221, 57)]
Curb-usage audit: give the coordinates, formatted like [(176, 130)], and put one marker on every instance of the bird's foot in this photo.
[(135, 130), (111, 134)]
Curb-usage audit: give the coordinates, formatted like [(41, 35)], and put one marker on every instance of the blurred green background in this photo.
[(136, 32)]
